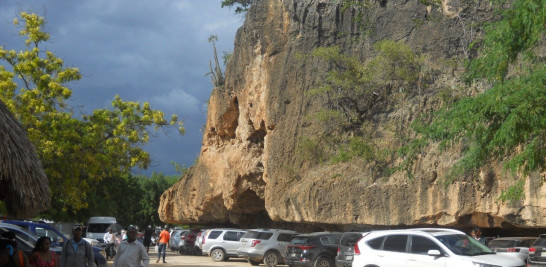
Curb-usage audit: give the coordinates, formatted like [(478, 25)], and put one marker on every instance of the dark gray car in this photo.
[(313, 250), (537, 252), (346, 248)]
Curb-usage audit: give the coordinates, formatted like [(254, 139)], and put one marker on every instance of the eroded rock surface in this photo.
[(249, 172)]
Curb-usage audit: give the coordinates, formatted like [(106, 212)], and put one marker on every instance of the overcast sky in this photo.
[(154, 51)]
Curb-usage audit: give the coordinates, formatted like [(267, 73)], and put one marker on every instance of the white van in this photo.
[(97, 227), (424, 247)]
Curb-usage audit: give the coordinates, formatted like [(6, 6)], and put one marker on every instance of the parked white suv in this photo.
[(221, 244), (425, 247), (267, 245)]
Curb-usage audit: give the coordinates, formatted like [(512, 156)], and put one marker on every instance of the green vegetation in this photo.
[(216, 74), (507, 123), (352, 92), (76, 152)]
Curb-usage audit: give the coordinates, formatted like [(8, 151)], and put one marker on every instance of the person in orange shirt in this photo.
[(163, 243)]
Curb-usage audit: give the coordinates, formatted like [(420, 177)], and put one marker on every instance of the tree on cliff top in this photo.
[(75, 152), (242, 6)]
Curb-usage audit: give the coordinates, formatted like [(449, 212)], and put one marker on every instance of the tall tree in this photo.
[(75, 151)]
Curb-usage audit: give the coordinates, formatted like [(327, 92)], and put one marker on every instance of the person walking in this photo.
[(41, 255), (131, 253), (15, 257), (110, 241), (76, 251), (164, 237), (148, 238), (477, 234)]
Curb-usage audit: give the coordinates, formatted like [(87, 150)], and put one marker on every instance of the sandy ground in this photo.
[(175, 259)]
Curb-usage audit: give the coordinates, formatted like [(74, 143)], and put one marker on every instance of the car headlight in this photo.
[(478, 264), (95, 243)]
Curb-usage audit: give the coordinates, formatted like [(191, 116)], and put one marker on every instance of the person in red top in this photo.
[(163, 243), (41, 255)]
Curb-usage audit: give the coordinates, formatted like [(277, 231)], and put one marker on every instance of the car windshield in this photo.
[(464, 245), (97, 227), (502, 243)]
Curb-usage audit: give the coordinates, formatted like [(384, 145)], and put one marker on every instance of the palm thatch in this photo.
[(23, 183)]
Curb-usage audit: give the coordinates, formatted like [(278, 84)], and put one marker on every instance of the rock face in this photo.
[(249, 171)]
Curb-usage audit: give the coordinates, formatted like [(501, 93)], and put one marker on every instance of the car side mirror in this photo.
[(434, 252)]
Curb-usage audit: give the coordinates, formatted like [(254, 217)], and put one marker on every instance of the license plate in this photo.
[(349, 258), (293, 255), (543, 254)]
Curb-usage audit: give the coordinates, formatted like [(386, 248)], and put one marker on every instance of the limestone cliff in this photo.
[(250, 172)]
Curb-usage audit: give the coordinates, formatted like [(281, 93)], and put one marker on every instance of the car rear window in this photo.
[(258, 235), (214, 234), (285, 237), (300, 240), (375, 243), (349, 239), (541, 242), (526, 243), (502, 243), (396, 243)]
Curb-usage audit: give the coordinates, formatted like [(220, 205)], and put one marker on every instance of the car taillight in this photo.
[(512, 250), (357, 250), (255, 242), (532, 250), (305, 247), (204, 240), (338, 250)]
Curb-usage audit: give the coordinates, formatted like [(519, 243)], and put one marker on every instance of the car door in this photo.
[(419, 247), (393, 253), (231, 241)]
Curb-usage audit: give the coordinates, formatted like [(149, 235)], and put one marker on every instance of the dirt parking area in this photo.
[(175, 259)]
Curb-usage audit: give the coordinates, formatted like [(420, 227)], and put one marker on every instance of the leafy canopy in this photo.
[(75, 151)]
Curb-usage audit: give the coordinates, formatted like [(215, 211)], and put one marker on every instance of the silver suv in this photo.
[(221, 244), (265, 245)]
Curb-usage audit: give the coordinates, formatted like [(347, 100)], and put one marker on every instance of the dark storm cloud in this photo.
[(154, 51)]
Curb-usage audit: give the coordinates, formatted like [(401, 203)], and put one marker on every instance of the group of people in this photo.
[(122, 248), (76, 252)]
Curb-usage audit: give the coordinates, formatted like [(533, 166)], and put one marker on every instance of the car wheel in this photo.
[(254, 263), (271, 258), (218, 254), (323, 261)]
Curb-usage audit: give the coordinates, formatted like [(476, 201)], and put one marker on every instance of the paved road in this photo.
[(175, 259)]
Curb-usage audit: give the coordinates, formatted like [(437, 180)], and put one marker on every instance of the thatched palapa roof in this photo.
[(23, 183)]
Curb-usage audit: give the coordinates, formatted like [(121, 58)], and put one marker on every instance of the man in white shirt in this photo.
[(109, 240), (131, 253)]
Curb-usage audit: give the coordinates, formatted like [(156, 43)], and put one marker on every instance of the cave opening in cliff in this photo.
[(230, 120)]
